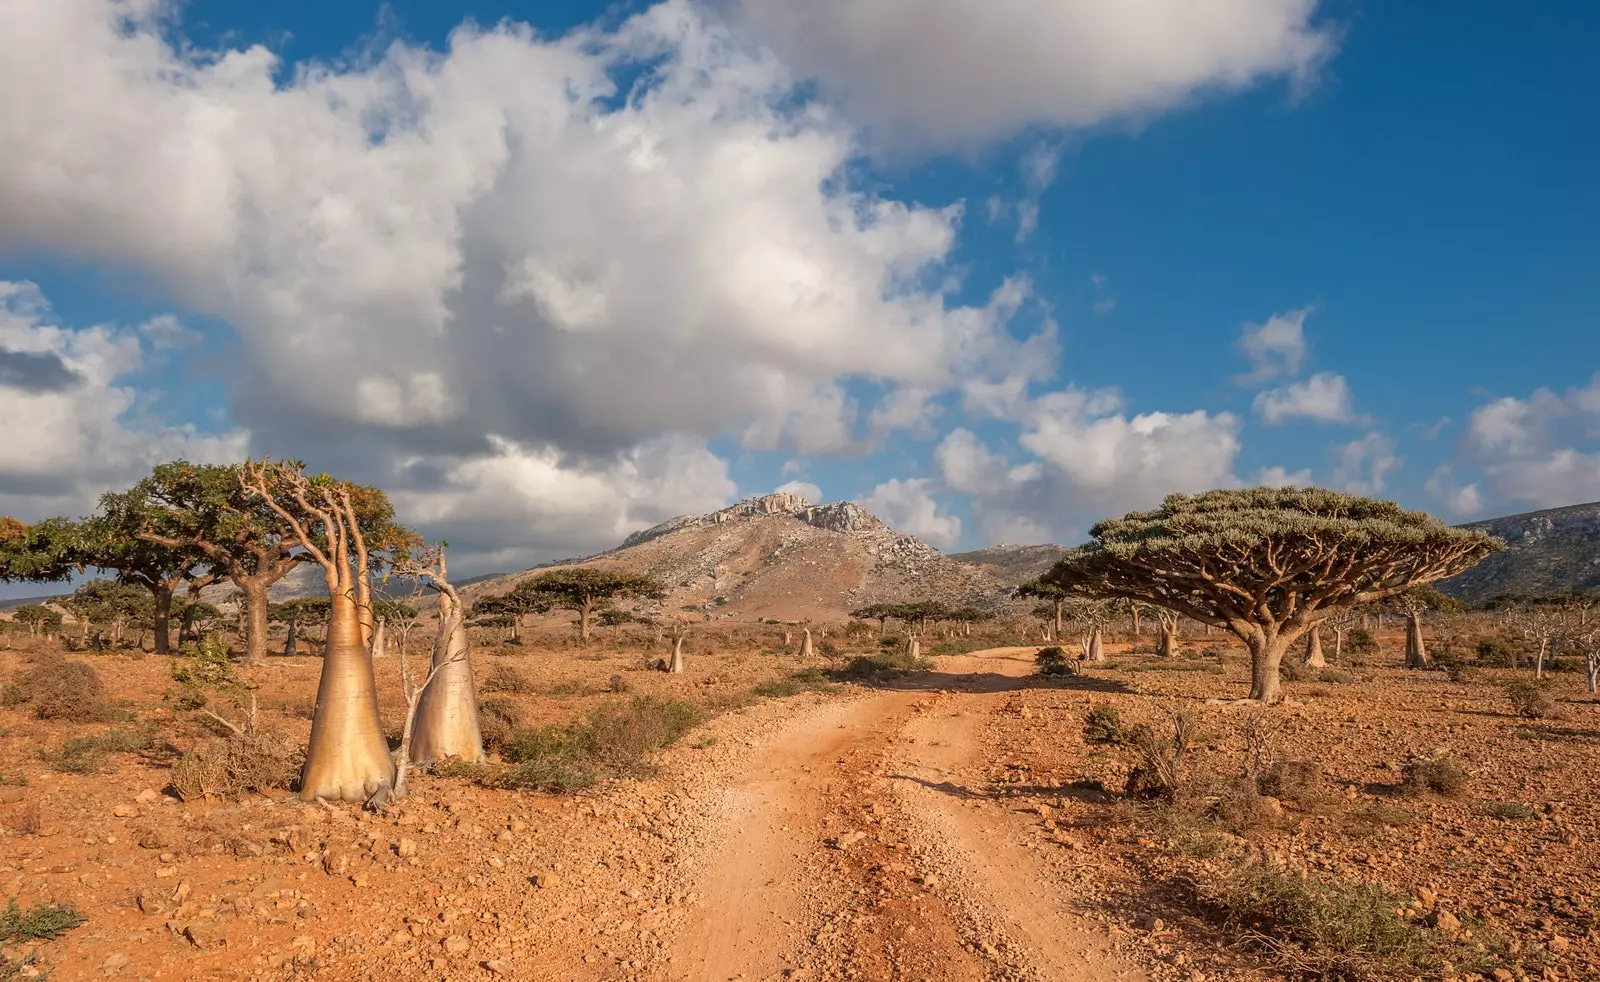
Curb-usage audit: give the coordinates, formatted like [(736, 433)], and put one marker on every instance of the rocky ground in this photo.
[(951, 824)]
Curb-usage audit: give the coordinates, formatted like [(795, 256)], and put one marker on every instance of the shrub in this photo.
[(1533, 698), (881, 667), (12, 696), (1102, 725), (1053, 661), (1300, 781), (59, 688), (1158, 758), (548, 759), (498, 719), (1440, 774), (229, 768), (504, 677), (1497, 651), (204, 666), (1343, 930), (806, 680), (618, 684), (87, 755), (1293, 670), (1335, 676), (1360, 642), (1241, 807), (617, 740), (829, 650), (1509, 810), (39, 922)]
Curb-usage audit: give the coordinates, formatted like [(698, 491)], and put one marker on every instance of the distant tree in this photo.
[(38, 619), (1268, 564), (879, 612), (1168, 647), (585, 590), (1413, 603), (1091, 616), (512, 607), (1051, 593), (114, 604), (1540, 625)]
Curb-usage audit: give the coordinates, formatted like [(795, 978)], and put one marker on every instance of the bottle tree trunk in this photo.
[(675, 665), (913, 648), (1096, 651), (1059, 604), (288, 642), (447, 714), (585, 612), (163, 619), (1416, 652), (380, 639), (1136, 622), (1266, 657), (348, 756), (1338, 645), (806, 650), (1169, 641), (1314, 657)]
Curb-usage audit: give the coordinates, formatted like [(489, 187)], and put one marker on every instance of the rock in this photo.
[(146, 796), (182, 893), (125, 811), (496, 967), (405, 848), (1444, 921), (455, 944), (114, 961), (205, 935), (846, 840), (1151, 922), (1503, 975), (1427, 898), (545, 881)]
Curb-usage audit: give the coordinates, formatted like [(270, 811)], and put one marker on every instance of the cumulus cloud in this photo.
[(1454, 498), (908, 506), (75, 428), (1276, 347), (1086, 458), (1363, 466), (1540, 450), (804, 489), (1281, 477), (1323, 398), (956, 74)]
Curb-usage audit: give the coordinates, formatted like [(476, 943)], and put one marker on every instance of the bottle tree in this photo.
[(1268, 564)]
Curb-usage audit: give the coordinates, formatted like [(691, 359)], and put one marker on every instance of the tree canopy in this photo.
[(1267, 563), (585, 590)]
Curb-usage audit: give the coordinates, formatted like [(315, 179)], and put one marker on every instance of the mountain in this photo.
[(1550, 551), (781, 557), (1014, 565)]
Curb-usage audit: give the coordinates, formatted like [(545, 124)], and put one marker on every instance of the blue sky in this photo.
[(994, 300)]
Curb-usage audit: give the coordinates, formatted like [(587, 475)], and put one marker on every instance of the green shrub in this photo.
[(1440, 774), (549, 759), (1533, 698), (617, 740), (882, 667), (12, 696), (88, 754), (204, 665), (1052, 661), (1103, 725), (37, 923), (1158, 758), (1497, 651), (806, 680), (1360, 642)]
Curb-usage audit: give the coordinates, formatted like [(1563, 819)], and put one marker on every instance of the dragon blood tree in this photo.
[(1268, 564)]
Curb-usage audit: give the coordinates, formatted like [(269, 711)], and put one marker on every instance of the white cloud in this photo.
[(1088, 459), (1456, 499), (1276, 347), (804, 489), (1280, 477), (908, 506), (74, 427), (1362, 466), (1533, 450), (1324, 398), (952, 73)]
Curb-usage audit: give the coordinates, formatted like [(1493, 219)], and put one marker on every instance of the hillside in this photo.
[(1013, 565), (1550, 551), (780, 557)]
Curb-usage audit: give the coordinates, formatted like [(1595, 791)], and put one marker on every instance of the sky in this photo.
[(552, 272)]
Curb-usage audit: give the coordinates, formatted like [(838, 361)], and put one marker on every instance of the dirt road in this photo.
[(863, 842)]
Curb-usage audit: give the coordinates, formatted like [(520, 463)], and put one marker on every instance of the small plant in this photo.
[(1299, 781), (617, 740), (498, 720), (1335, 676), (806, 680), (505, 677), (1052, 661), (231, 767), (204, 665), (65, 689), (1440, 774), (1514, 811), (40, 922), (1497, 652), (1533, 698), (88, 754), (1360, 643), (882, 667), (618, 684), (1159, 758), (12, 696), (1103, 725)]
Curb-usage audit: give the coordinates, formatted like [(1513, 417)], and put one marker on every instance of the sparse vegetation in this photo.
[(40, 922), (231, 767), (1533, 698), (1103, 725), (1439, 774), (1052, 661), (65, 689), (617, 740), (503, 677), (91, 754), (883, 667), (812, 679)]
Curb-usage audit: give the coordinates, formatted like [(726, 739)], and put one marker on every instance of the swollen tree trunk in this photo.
[(447, 714), (288, 642), (1416, 651), (806, 651), (1169, 641), (913, 648), (163, 619), (1096, 649), (1059, 603), (348, 756), (675, 666), (1266, 656), (583, 619), (380, 639), (1314, 657), (254, 589)]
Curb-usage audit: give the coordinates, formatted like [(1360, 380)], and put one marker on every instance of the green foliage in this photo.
[(204, 665), (618, 739), (883, 667), (812, 679), (88, 754), (43, 552), (1440, 774), (111, 602), (1497, 651), (38, 618), (1533, 698), (1052, 661), (40, 922), (1103, 725), (578, 587), (1360, 642)]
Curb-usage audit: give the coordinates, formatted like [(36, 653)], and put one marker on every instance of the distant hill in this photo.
[(1552, 551), (781, 557), (1014, 565)]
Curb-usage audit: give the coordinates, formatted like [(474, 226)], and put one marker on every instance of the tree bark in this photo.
[(806, 650), (913, 648), (1416, 652), (1169, 641), (163, 619), (1097, 650), (289, 642), (1338, 645), (1137, 613), (447, 714), (255, 617), (348, 757), (1266, 657), (584, 611), (1314, 657), (675, 666), (1059, 603), (380, 639)]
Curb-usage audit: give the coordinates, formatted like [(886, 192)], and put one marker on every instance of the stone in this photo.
[(494, 966), (405, 848), (205, 935), (114, 961), (846, 840), (1151, 922), (146, 796), (455, 944), (125, 811), (546, 881), (182, 893), (1445, 921)]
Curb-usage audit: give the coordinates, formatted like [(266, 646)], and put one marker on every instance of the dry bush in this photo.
[(229, 768), (498, 720), (1103, 725), (1054, 661), (1159, 758), (25, 819), (64, 689), (1440, 774), (1533, 698), (1242, 808), (1299, 781), (618, 740), (506, 677)]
